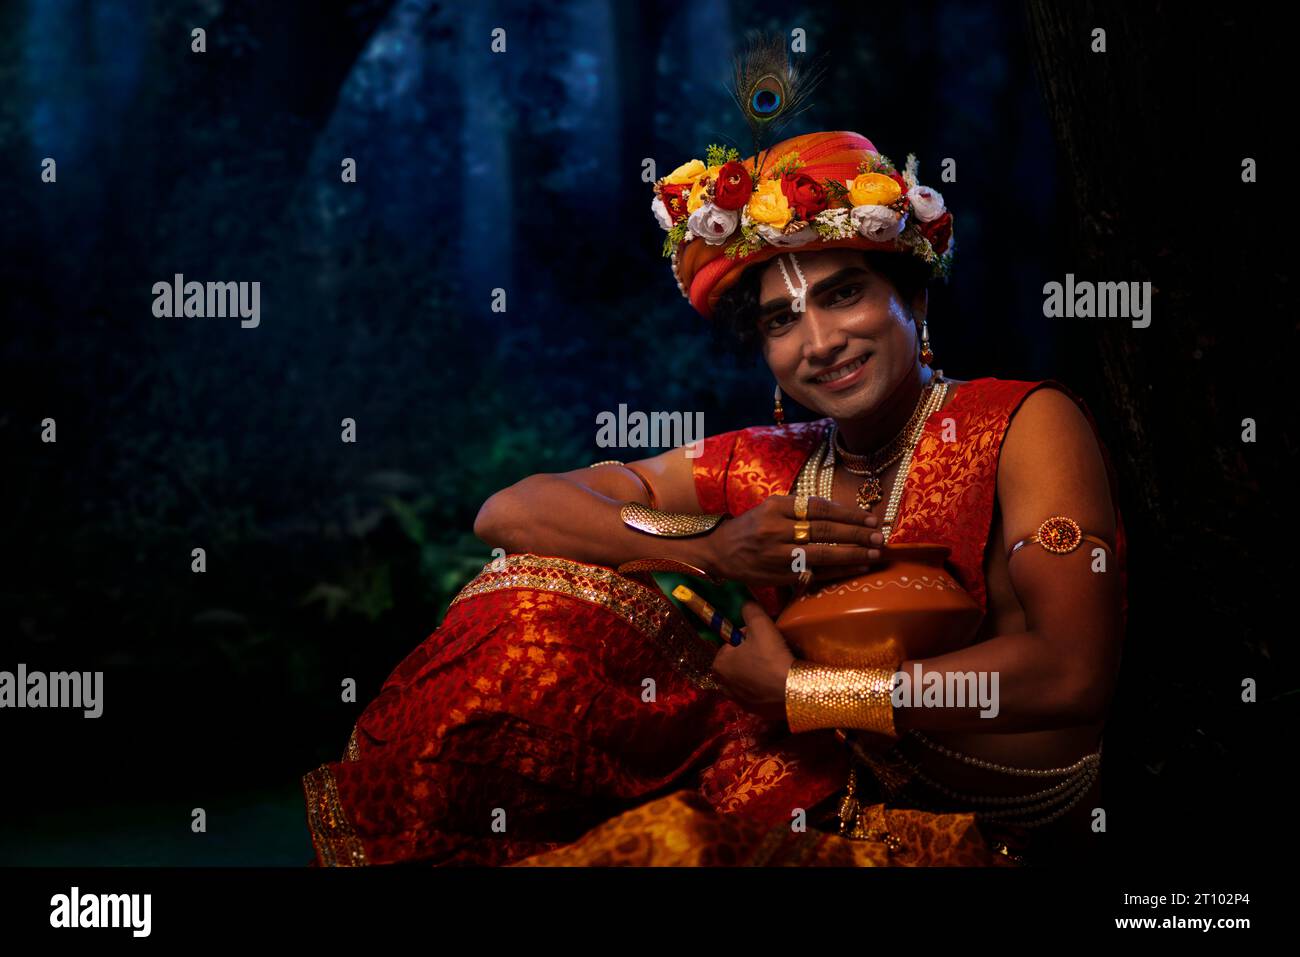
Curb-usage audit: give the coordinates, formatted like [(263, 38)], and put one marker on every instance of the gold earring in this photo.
[(778, 413), (927, 355)]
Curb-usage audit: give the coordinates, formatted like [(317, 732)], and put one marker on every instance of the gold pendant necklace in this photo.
[(817, 477), (872, 489), (870, 492), (874, 465)]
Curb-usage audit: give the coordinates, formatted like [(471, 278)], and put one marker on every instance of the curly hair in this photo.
[(735, 316)]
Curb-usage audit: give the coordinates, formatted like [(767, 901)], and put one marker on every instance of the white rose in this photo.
[(713, 225), (927, 203), (778, 238), (661, 214), (880, 224), (838, 222)]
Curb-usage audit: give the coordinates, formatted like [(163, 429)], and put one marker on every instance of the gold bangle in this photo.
[(645, 483), (666, 524), (824, 696), (666, 565)]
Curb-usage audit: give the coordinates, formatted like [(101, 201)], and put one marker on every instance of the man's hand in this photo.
[(757, 546), (753, 672)]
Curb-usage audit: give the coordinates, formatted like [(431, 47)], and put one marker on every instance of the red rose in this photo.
[(674, 197), (938, 232), (806, 196), (897, 177), (734, 186)]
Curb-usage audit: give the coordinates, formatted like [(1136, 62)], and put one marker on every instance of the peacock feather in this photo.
[(769, 89)]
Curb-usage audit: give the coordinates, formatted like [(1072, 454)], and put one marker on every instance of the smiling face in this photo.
[(854, 344)]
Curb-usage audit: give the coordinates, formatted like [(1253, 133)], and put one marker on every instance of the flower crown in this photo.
[(723, 201)]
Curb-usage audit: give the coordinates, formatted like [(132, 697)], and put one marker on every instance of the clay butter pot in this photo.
[(908, 607)]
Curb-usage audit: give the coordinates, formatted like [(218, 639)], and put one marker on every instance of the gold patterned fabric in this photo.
[(336, 841), (683, 829), (642, 606)]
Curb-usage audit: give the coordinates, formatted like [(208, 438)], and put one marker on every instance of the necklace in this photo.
[(891, 450), (817, 477), (874, 464), (901, 447)]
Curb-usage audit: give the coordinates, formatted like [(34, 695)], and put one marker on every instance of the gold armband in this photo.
[(1060, 536), (824, 696), (645, 483)]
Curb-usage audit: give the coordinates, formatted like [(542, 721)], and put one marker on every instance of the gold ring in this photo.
[(801, 530), (801, 507)]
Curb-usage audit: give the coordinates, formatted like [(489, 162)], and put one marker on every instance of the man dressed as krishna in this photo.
[(933, 581)]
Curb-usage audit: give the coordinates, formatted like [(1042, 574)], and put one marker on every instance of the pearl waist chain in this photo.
[(895, 772)]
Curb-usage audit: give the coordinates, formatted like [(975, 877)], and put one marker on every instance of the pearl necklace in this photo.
[(818, 474), (873, 466)]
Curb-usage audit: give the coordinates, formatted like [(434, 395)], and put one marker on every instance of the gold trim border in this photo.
[(644, 608), (352, 752), (332, 833)]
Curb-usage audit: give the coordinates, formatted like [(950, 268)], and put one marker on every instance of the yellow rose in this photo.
[(874, 189), (686, 173), (769, 206), (696, 199)]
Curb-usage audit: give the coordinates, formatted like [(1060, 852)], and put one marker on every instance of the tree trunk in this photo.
[(1152, 136)]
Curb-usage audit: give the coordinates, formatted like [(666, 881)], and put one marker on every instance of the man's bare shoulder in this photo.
[(1045, 413), (1051, 459), (1048, 431)]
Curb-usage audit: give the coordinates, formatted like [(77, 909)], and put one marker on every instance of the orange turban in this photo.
[(704, 272)]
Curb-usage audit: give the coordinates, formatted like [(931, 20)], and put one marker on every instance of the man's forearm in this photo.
[(1022, 682), (551, 515), (1012, 683)]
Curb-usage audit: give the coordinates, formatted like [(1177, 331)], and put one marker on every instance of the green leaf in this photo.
[(674, 238), (408, 519)]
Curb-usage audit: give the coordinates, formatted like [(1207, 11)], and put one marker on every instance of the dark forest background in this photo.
[(522, 171)]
